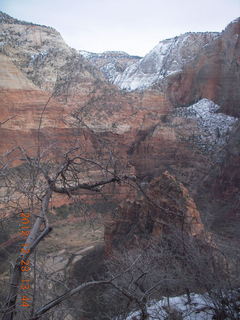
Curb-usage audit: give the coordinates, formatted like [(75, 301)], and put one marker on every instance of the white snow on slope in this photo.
[(166, 58), (196, 310), (145, 72), (106, 54), (198, 307), (214, 127)]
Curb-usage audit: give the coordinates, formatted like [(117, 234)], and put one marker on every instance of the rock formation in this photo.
[(166, 58), (171, 126), (111, 63), (214, 73), (170, 120), (164, 207)]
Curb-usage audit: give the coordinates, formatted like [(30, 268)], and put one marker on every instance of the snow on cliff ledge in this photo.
[(214, 126)]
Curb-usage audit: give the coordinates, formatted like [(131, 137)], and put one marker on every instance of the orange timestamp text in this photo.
[(25, 265)]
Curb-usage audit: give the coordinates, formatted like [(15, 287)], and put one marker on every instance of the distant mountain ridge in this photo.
[(40, 52), (111, 63), (7, 19), (182, 73), (166, 58)]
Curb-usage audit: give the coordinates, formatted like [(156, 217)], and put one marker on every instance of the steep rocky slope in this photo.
[(214, 74), (11, 77), (167, 58), (164, 207), (190, 67), (110, 63), (187, 124), (223, 181), (143, 128), (39, 52)]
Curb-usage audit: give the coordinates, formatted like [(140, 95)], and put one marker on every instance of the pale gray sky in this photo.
[(134, 26)]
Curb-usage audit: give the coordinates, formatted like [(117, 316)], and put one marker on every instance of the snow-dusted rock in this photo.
[(166, 58), (214, 127), (111, 63)]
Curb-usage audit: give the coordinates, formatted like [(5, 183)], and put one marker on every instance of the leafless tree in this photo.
[(33, 188)]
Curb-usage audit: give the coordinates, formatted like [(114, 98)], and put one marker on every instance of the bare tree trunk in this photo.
[(32, 241), (65, 296)]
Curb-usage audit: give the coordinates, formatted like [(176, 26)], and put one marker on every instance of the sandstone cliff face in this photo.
[(191, 67), (11, 77), (165, 207), (38, 51), (29, 45), (221, 205), (142, 131), (142, 128), (168, 57), (214, 74)]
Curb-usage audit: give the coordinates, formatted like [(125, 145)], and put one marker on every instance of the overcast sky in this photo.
[(134, 26)]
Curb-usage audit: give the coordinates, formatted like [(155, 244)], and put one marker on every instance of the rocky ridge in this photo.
[(213, 127), (164, 207), (144, 127), (214, 74), (111, 63), (166, 58), (177, 126), (40, 52), (6, 19)]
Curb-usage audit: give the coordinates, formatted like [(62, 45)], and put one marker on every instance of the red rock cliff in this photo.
[(165, 206)]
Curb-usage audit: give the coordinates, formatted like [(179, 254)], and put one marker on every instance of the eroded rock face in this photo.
[(141, 127), (191, 67), (40, 52), (213, 127), (111, 63), (168, 57), (11, 77), (222, 203), (165, 206), (213, 74), (142, 131)]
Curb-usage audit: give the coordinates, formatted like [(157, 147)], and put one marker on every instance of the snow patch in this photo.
[(39, 55), (193, 307), (197, 309), (214, 127)]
